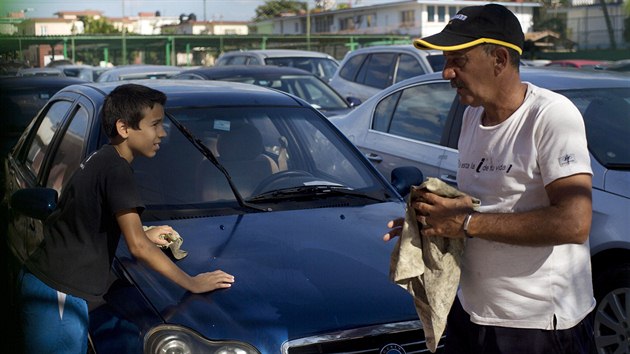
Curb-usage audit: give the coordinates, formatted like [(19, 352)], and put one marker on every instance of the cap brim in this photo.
[(447, 42)]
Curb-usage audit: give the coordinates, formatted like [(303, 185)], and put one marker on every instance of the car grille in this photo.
[(404, 337)]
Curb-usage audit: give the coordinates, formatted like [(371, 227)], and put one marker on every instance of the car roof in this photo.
[(215, 72), (577, 61), (26, 82), (397, 47), (190, 93), (272, 53), (142, 68), (553, 78)]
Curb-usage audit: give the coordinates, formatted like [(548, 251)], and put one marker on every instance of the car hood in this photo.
[(297, 273)]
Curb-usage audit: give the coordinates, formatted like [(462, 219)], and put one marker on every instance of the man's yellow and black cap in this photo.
[(475, 25)]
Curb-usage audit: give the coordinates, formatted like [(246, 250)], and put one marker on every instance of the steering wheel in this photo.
[(278, 180)]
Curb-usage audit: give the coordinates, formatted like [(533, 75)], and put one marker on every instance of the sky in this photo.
[(226, 10)]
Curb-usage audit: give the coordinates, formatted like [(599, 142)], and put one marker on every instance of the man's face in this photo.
[(471, 72), (146, 139)]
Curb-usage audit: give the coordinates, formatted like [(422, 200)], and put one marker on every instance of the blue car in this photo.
[(259, 184)]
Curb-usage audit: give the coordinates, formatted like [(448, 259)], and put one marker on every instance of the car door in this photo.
[(411, 127), (48, 153)]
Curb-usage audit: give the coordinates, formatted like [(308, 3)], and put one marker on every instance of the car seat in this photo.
[(241, 152)]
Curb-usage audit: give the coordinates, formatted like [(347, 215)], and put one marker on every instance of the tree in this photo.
[(98, 26), (273, 8)]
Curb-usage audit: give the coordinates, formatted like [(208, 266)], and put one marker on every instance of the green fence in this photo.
[(176, 49)]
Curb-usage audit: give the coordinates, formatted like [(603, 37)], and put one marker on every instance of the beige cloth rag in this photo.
[(428, 267), (174, 243)]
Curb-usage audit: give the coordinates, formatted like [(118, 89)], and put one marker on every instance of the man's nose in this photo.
[(448, 73)]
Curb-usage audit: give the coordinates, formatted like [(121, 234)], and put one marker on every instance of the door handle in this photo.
[(374, 157), (450, 179)]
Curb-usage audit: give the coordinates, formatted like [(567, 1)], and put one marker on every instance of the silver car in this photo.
[(139, 72), (366, 71), (320, 64), (417, 122)]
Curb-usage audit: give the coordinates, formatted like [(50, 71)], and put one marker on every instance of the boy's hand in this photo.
[(159, 234), (210, 281), (396, 226)]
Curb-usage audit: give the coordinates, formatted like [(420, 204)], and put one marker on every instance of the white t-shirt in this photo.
[(507, 166)]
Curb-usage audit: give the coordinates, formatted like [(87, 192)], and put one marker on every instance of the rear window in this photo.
[(436, 61), (607, 122)]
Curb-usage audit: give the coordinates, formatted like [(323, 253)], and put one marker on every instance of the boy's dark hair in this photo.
[(127, 102)]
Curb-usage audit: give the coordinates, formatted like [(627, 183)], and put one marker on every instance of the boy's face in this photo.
[(145, 141)]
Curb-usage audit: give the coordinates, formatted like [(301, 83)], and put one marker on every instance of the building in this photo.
[(208, 28), (415, 18)]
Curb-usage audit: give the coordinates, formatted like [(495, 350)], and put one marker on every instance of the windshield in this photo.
[(308, 88), (606, 115), (322, 67), (262, 149)]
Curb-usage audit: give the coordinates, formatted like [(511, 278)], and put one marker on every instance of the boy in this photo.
[(72, 264)]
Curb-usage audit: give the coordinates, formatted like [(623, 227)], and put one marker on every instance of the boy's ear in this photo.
[(122, 128)]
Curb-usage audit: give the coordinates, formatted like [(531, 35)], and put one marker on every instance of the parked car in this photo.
[(21, 98), (46, 71), (617, 65), (84, 72), (320, 64), (576, 63), (298, 82), (417, 122), (298, 222), (366, 71), (138, 72)]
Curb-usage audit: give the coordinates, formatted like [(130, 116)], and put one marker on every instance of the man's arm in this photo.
[(566, 220), (146, 251)]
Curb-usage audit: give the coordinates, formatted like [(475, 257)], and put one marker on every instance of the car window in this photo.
[(40, 142), (418, 112), (237, 60), (20, 106), (253, 61), (376, 71), (408, 67), (313, 91), (351, 67), (68, 155), (607, 123), (436, 61), (326, 68)]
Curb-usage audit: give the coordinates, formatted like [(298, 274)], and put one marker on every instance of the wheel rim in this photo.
[(612, 322)]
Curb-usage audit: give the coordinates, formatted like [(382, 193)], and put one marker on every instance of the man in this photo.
[(526, 278)]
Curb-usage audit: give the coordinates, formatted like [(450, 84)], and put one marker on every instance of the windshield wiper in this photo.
[(310, 192), (210, 156)]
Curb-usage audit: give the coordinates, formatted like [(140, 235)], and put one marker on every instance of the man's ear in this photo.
[(501, 58), (122, 128)]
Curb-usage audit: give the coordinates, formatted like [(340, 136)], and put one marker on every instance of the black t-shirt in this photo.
[(81, 236)]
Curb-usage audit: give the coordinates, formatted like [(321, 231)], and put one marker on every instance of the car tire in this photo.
[(612, 312)]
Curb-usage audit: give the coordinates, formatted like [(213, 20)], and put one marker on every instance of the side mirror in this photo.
[(404, 177), (36, 203), (353, 101)]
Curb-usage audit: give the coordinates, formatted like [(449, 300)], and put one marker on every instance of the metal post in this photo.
[(308, 26), (168, 53)]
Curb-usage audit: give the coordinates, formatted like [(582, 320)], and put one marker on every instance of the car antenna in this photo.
[(210, 156)]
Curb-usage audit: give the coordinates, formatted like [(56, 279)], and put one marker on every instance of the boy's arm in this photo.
[(144, 250)]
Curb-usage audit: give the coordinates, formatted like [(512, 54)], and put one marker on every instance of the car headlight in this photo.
[(172, 339)]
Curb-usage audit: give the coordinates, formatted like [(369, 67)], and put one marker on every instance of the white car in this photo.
[(366, 71), (320, 64), (138, 72)]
